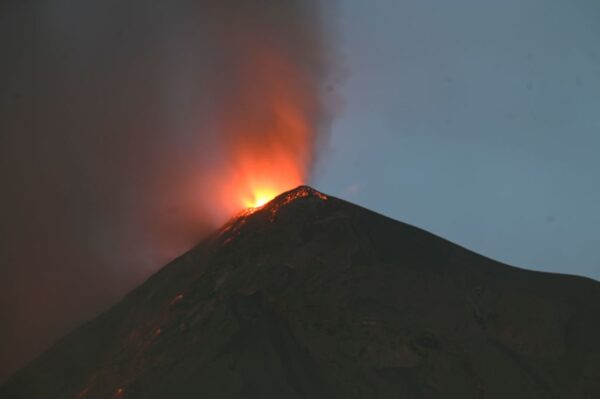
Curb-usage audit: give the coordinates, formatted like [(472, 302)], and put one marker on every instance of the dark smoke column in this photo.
[(124, 126)]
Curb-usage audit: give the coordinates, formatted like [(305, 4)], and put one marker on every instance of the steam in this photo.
[(129, 129)]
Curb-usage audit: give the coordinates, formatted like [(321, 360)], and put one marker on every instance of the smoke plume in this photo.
[(130, 128)]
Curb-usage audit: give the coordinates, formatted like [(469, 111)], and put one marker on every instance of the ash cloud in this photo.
[(113, 124)]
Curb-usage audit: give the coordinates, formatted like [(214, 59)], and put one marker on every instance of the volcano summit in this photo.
[(310, 296)]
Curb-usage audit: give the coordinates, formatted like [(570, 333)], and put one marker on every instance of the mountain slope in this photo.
[(313, 297)]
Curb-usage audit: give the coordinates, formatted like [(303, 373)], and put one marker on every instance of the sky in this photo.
[(478, 121)]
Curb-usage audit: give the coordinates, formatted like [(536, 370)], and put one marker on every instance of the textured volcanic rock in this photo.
[(313, 297)]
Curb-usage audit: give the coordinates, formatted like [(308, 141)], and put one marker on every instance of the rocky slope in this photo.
[(313, 297)]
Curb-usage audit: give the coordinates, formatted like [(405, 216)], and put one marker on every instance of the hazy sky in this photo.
[(478, 121)]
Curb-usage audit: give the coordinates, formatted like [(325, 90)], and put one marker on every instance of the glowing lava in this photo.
[(260, 197), (269, 118), (269, 142)]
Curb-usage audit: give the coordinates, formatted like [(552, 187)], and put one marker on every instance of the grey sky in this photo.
[(478, 121)]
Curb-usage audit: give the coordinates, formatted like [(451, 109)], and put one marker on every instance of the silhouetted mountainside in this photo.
[(313, 297)]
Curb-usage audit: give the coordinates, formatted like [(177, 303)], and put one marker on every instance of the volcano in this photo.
[(310, 296)]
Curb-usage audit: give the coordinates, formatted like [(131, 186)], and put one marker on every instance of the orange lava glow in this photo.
[(260, 197), (269, 124), (256, 182), (177, 298)]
